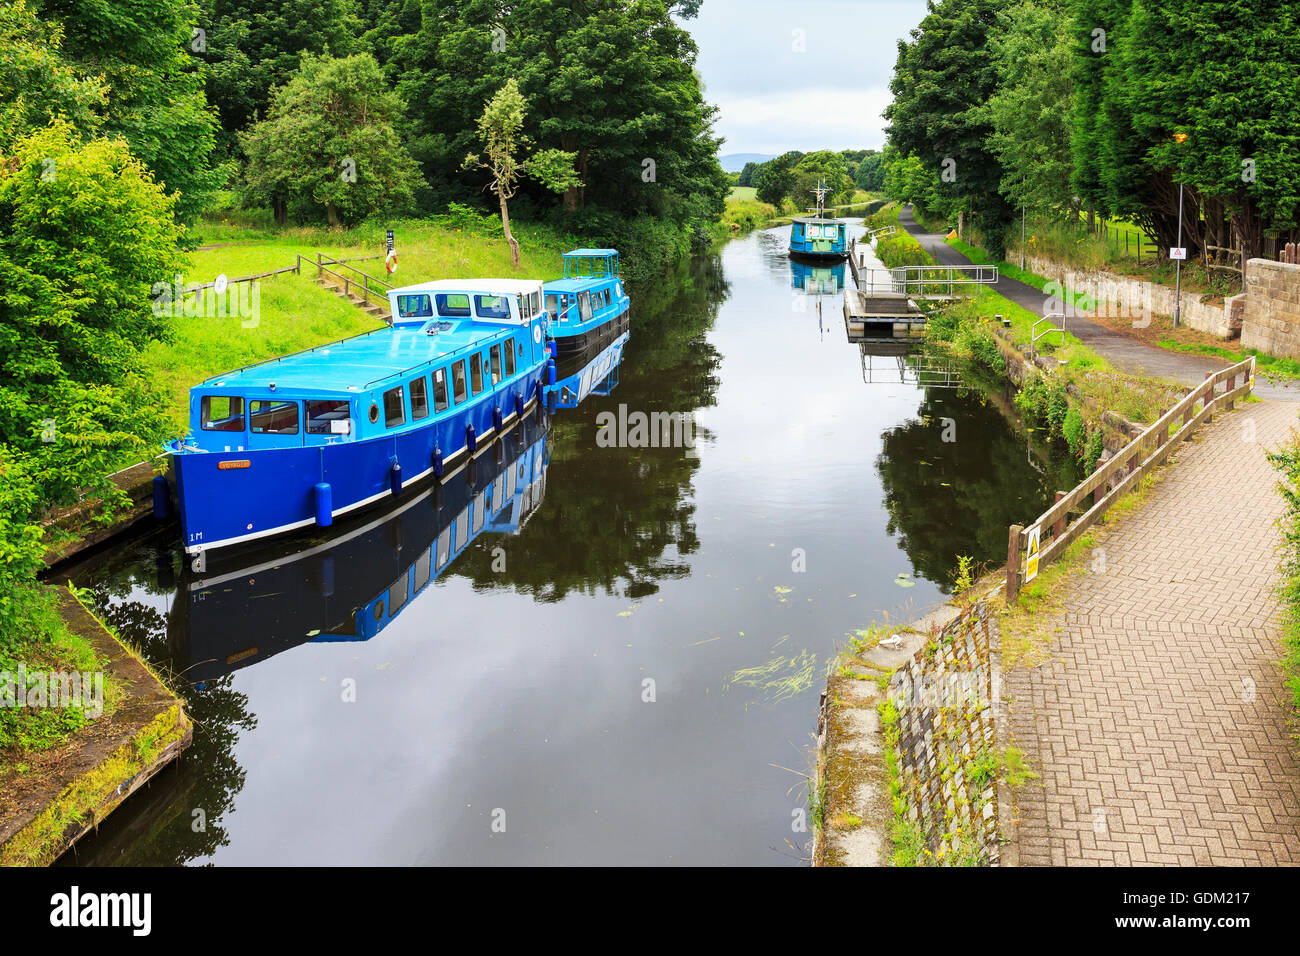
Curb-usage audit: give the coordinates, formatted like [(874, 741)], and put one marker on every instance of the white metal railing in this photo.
[(1035, 334)]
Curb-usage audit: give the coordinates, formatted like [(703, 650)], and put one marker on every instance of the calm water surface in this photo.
[(511, 688)]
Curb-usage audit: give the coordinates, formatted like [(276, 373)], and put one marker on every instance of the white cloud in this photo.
[(806, 119)]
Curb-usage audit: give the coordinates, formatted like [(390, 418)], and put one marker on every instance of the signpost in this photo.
[(1032, 548), (390, 259)]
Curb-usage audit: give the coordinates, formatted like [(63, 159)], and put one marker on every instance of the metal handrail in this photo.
[(1035, 335)]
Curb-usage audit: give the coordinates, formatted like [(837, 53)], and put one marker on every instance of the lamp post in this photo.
[(1178, 263)]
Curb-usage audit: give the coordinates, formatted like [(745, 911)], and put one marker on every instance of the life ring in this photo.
[(390, 261)]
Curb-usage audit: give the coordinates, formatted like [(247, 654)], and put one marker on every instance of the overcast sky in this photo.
[(772, 98)]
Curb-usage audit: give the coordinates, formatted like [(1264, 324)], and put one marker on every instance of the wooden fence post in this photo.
[(1209, 397), (1058, 529), (319, 265), (1013, 563)]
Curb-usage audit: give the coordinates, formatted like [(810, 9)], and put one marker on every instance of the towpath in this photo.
[(1157, 719), (1126, 353)]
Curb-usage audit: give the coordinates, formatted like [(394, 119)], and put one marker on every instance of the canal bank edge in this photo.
[(912, 746), (71, 789)]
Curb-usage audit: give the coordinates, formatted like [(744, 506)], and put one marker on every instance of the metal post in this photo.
[(1178, 263)]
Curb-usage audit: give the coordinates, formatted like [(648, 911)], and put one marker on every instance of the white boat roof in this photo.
[(488, 286)]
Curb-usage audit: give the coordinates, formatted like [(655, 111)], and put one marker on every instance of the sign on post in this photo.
[(390, 258), (1034, 535), (1177, 252)]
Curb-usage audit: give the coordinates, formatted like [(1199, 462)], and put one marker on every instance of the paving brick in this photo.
[(1145, 709)]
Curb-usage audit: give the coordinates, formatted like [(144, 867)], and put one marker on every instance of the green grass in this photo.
[(1269, 366), (296, 314), (743, 193)]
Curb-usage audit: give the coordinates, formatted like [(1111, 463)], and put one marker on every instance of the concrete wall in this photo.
[(1120, 295), (1271, 314)]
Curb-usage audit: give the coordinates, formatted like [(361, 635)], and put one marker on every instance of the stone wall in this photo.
[(1271, 316), (1121, 295), (944, 697)]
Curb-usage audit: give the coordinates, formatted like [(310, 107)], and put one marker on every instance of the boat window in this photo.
[(444, 547), (413, 306), (222, 413), (273, 417), (494, 364), (397, 596), (328, 417), (394, 410), (458, 382), (607, 297), (476, 373), (440, 390), (462, 529), (552, 304), (480, 509), (510, 358), (422, 569), (419, 398), (492, 306), (537, 302), (453, 304), (584, 305)]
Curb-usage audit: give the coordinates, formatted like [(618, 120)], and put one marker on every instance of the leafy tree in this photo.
[(85, 232), (822, 167), (1029, 112), (330, 138), (140, 53), (870, 173), (36, 83), (942, 79), (775, 178), (253, 46), (611, 81), (747, 174), (500, 126)]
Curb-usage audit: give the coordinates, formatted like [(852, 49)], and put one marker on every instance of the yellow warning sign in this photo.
[(952, 235), (1035, 535)]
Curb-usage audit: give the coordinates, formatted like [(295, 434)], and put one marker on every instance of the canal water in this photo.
[(618, 659)]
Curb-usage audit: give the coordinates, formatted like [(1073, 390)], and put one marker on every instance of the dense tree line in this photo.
[(792, 176), (1103, 107)]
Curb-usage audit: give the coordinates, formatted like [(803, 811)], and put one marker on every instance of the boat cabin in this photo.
[(451, 342), (589, 295)]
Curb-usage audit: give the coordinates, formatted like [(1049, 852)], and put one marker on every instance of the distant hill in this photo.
[(735, 162)]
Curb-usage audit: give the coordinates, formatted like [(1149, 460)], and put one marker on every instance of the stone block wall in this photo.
[(944, 697), (1121, 295), (1271, 316)]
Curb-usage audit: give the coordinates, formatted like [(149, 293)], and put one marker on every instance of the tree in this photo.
[(141, 54), (499, 127), (1030, 111), (870, 173), (85, 233), (611, 81), (942, 79), (330, 138), (253, 46), (36, 83), (775, 178), (747, 174), (823, 167)]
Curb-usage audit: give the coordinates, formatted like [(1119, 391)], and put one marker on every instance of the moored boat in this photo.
[(299, 440), (816, 237), (589, 302)]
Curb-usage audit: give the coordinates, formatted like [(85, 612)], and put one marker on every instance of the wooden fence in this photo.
[(1029, 549), (352, 285), (261, 275)]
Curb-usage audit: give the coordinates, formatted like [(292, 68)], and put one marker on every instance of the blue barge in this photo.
[(300, 440), (589, 303)]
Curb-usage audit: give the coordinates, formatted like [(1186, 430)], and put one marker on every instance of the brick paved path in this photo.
[(1159, 724)]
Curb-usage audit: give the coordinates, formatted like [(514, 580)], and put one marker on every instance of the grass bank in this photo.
[(1287, 461)]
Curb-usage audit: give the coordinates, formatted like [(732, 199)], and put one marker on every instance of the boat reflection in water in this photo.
[(583, 375), (351, 586), (817, 278)]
